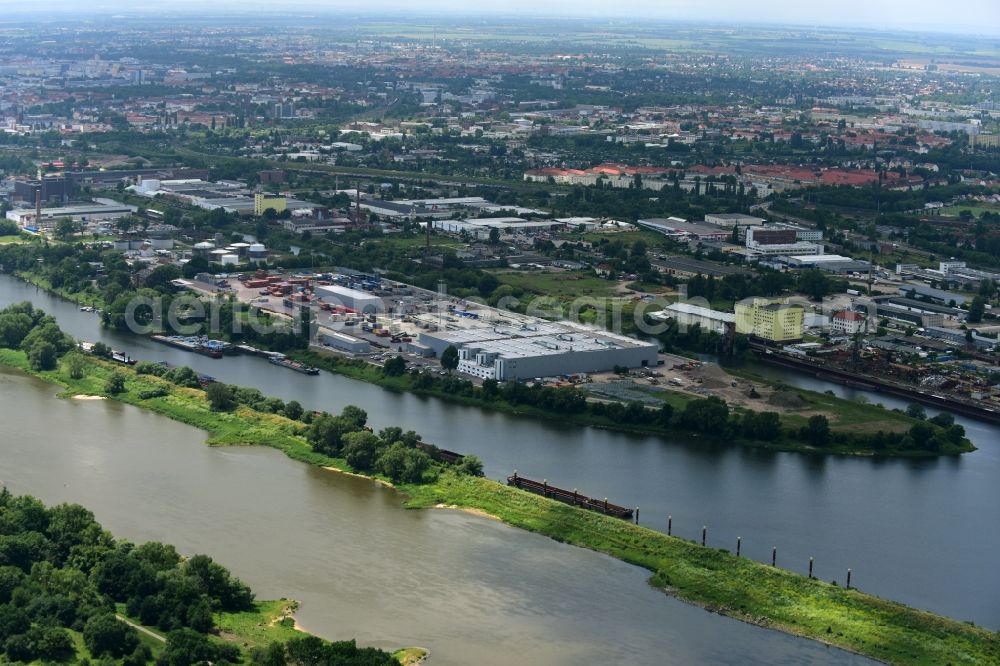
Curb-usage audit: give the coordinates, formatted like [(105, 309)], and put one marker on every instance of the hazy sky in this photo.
[(980, 16)]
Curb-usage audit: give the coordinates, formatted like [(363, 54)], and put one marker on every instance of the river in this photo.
[(471, 589), (918, 531)]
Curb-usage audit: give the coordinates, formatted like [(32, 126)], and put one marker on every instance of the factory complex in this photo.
[(525, 347), (363, 314)]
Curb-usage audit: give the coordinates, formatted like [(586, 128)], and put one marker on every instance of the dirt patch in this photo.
[(787, 400), (711, 376)]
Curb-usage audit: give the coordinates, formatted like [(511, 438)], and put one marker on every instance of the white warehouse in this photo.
[(361, 301), (542, 349), (687, 314)]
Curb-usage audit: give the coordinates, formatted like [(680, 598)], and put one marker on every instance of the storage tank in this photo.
[(230, 259), (203, 249), (257, 252)]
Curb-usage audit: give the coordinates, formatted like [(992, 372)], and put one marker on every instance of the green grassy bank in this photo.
[(846, 416), (712, 578)]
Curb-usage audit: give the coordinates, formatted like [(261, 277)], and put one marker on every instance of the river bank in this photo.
[(736, 587), (851, 425), (846, 417)]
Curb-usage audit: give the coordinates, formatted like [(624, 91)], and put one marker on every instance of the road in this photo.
[(140, 628)]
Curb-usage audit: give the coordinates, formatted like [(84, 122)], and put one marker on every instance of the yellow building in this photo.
[(985, 140), (777, 321), (262, 203)]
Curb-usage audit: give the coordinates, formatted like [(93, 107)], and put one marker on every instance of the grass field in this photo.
[(19, 238), (563, 285), (709, 577), (975, 209)]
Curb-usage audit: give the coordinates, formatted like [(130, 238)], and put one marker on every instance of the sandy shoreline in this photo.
[(359, 476), (474, 512), (89, 397)]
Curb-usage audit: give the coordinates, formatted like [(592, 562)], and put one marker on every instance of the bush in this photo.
[(115, 384), (149, 368), (149, 394), (220, 397)]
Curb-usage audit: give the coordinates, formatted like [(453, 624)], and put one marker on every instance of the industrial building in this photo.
[(361, 301), (730, 220), (848, 322), (262, 203), (342, 342), (908, 316), (797, 249), (775, 321), (88, 212), (51, 188), (687, 314), (680, 228), (689, 267), (937, 295), (537, 348), (957, 336)]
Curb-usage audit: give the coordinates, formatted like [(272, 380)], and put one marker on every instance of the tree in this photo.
[(186, 646), (115, 384), (360, 449), (395, 366), (104, 634), (449, 358), (814, 283), (14, 326), (294, 410), (402, 464), (944, 419), (976, 310), (470, 465), (494, 236), (76, 365), (355, 416), (913, 410), (326, 433), (66, 228), (42, 355), (817, 430), (708, 415), (220, 397)]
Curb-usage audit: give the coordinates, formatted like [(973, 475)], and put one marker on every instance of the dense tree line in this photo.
[(25, 327), (710, 416), (61, 572)]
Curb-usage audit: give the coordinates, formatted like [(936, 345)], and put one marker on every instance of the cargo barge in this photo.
[(571, 497), (198, 345), (285, 362), (114, 354)]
